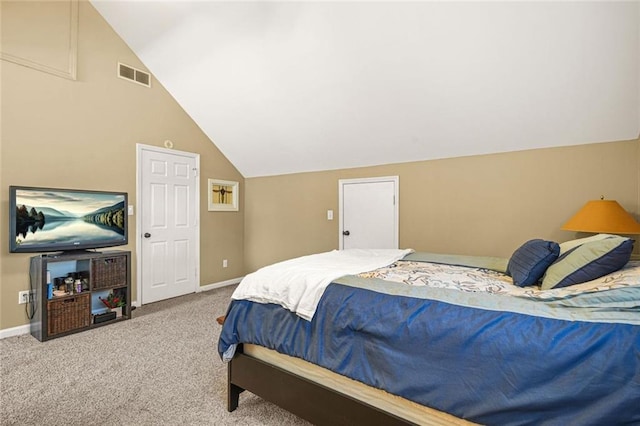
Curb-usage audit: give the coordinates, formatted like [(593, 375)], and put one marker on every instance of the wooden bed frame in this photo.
[(311, 401), (320, 396)]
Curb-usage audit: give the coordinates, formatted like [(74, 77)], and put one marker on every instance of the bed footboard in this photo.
[(311, 401)]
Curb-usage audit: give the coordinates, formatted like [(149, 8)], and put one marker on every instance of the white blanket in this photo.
[(298, 284)]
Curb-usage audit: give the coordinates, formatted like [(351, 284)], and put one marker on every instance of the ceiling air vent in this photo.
[(133, 74)]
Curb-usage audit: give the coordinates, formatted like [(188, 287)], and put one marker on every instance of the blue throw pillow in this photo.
[(530, 261), (588, 261)]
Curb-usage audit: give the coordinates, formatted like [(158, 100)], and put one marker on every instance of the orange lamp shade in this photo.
[(603, 216)]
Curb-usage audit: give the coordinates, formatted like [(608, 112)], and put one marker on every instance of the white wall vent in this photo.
[(133, 74)]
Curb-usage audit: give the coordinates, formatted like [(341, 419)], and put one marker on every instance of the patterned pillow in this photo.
[(529, 262), (588, 261)]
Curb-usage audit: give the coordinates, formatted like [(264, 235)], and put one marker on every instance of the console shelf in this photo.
[(66, 308)]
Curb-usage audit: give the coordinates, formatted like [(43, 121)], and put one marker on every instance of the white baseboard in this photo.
[(219, 284), (15, 331), (25, 329)]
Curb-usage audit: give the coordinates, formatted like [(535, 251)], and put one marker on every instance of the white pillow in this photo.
[(568, 245)]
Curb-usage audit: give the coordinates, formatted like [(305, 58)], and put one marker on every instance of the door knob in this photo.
[(147, 235), (347, 233)]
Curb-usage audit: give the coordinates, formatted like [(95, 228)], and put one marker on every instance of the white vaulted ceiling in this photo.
[(284, 87)]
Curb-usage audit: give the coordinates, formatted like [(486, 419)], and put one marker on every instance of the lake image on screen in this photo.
[(67, 217)]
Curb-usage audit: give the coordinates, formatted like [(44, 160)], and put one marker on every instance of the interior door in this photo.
[(368, 213), (168, 225)]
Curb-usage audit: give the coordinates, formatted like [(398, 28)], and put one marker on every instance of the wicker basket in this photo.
[(109, 272), (69, 313)]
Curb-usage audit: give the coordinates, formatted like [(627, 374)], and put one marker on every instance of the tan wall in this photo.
[(479, 205), (83, 134)]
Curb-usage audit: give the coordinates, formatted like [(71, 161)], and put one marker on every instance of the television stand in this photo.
[(68, 288)]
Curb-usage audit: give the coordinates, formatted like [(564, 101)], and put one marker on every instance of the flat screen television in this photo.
[(54, 219)]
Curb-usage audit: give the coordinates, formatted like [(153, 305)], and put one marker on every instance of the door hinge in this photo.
[(195, 172)]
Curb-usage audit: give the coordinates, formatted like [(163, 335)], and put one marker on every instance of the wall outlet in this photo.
[(23, 297), (225, 263)]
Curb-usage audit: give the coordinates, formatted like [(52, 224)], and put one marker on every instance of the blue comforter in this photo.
[(489, 366)]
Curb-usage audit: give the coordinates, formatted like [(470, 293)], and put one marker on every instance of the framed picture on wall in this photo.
[(223, 195)]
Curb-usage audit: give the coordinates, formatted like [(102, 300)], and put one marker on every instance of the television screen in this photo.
[(49, 219)]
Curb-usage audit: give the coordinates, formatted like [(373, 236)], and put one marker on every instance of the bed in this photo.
[(443, 339)]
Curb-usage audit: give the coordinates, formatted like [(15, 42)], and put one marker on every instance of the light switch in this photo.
[(329, 214), (130, 210)]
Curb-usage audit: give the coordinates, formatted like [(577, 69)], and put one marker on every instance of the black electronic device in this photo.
[(107, 316)]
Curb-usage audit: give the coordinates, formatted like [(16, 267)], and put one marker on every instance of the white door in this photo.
[(368, 213), (168, 223)]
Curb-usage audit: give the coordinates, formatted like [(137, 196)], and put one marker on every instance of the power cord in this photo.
[(31, 306), (31, 312)]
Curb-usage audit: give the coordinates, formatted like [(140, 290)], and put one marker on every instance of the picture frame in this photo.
[(223, 195)]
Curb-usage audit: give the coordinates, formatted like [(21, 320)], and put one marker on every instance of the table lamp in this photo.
[(603, 216)]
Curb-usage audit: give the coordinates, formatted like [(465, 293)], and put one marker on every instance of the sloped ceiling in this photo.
[(285, 87)]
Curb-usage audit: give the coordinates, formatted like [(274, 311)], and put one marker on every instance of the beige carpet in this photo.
[(159, 368)]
